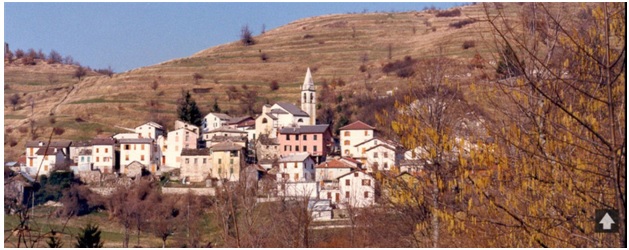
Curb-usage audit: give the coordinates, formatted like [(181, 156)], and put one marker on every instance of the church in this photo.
[(283, 114)]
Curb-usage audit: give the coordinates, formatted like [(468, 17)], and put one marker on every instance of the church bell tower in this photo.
[(308, 98)]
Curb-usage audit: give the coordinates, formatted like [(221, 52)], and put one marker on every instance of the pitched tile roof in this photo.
[(294, 110), (352, 172), (236, 120), (382, 145), (221, 116), (54, 144), (135, 141), (81, 144), (357, 125), (334, 163), (153, 124), (296, 157), (218, 138), (305, 129), (43, 151), (226, 146), (202, 151), (103, 141), (226, 129)]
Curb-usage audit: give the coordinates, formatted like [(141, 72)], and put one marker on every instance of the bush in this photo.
[(468, 44), (402, 68), (274, 85), (264, 57), (448, 13), (462, 23), (79, 119)]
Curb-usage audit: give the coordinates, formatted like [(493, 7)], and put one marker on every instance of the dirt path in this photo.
[(73, 88)]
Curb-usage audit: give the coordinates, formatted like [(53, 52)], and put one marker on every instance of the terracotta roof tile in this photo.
[(357, 125)]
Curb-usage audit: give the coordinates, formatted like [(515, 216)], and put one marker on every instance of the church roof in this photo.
[(308, 82), (290, 108), (357, 125)]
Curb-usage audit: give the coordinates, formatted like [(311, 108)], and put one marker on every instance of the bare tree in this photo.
[(245, 36), (80, 72), (197, 77), (14, 100)]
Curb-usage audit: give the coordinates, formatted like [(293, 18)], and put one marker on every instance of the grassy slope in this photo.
[(332, 46)]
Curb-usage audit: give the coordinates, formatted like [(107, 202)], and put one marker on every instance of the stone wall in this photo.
[(195, 191)]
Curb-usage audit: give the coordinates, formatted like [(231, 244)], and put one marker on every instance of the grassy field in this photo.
[(332, 46)]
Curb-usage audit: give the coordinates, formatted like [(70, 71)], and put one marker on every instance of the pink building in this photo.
[(314, 139)]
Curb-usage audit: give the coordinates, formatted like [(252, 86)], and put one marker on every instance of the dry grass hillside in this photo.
[(333, 46)]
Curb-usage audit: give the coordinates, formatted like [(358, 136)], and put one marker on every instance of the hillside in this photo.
[(333, 46)]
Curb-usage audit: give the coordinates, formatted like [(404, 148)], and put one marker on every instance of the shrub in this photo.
[(23, 130), (462, 23), (308, 36), (79, 119), (58, 131), (468, 44), (402, 68), (448, 13), (264, 57), (274, 85), (362, 68)]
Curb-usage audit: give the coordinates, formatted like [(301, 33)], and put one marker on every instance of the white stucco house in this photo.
[(104, 154), (40, 161), (150, 130), (298, 167), (280, 115), (357, 189), (214, 120), (142, 151), (172, 145), (352, 135)]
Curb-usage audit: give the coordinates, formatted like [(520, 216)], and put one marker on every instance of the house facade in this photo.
[(227, 160), (214, 120), (172, 145), (104, 155), (353, 134), (150, 130), (36, 156), (196, 164), (142, 151), (298, 167), (357, 189), (382, 157), (280, 115), (313, 139)]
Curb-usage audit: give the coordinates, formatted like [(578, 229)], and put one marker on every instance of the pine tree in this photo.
[(187, 109), (89, 237)]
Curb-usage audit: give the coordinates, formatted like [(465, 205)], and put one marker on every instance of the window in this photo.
[(314, 148), (296, 177), (375, 154), (96, 150), (134, 146), (285, 147), (288, 137), (295, 164), (142, 147), (195, 161), (231, 170), (220, 161), (386, 154), (366, 194), (204, 160), (386, 165), (46, 168), (347, 194), (305, 148), (220, 170), (46, 157), (106, 150), (126, 157), (329, 195), (141, 157), (346, 133), (346, 182), (366, 132), (126, 147), (346, 143), (314, 137), (285, 164), (355, 174), (231, 161), (296, 148), (366, 182), (82, 160), (97, 159), (264, 120), (296, 137), (305, 137), (187, 161), (300, 120), (364, 150)]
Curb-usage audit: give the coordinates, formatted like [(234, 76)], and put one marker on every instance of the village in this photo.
[(282, 151)]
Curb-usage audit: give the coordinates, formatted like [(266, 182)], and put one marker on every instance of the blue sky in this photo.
[(131, 35)]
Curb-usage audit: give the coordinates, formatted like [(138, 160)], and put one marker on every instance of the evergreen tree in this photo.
[(187, 109), (216, 108), (89, 237)]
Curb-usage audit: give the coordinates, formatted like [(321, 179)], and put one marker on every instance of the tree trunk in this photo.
[(435, 204), (125, 241)]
